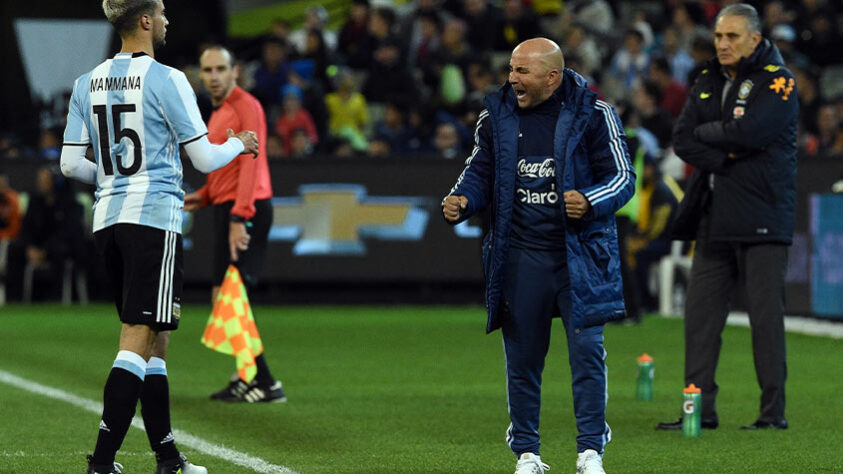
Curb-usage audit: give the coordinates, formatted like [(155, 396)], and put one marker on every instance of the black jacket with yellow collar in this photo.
[(748, 145)]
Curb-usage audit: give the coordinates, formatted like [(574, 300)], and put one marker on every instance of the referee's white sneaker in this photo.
[(590, 462), (530, 463)]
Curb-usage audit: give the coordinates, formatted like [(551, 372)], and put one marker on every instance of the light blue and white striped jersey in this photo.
[(135, 112)]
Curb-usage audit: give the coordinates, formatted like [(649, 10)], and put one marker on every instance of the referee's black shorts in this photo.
[(250, 261), (145, 267)]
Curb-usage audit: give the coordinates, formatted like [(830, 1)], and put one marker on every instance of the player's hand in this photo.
[(192, 202), (238, 238), (249, 139), (453, 207), (576, 205)]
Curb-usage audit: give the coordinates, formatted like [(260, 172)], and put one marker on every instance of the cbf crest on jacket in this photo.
[(590, 153)]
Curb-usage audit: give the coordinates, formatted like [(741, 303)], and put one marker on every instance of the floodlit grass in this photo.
[(405, 389)]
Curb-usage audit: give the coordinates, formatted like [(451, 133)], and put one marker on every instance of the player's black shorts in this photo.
[(145, 267), (250, 262)]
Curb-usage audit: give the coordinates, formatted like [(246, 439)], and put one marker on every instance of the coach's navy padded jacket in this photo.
[(591, 157), (754, 195)]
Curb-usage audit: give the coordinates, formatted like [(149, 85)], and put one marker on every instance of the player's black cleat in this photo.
[(232, 393), (103, 469), (179, 465), (265, 394)]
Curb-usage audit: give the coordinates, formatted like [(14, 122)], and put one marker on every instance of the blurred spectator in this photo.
[(673, 93), (640, 24), (658, 199), (680, 61), (317, 51), (480, 83), (579, 43), (829, 138), (388, 75), (776, 14), (49, 145), (702, 49), (629, 65), (315, 20), (274, 147), (653, 118), (784, 36), (280, 30), (394, 133), (301, 144), (450, 62), (421, 27), (272, 74), (348, 112), (424, 48), (517, 25), (446, 141), (809, 100), (9, 146), (595, 15), (52, 232), (352, 37), (294, 117), (483, 19), (687, 18), (821, 41)]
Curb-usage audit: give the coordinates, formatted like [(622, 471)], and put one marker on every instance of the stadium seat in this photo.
[(69, 276), (667, 277)]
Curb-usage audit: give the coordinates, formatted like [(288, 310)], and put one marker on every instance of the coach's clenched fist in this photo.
[(453, 206)]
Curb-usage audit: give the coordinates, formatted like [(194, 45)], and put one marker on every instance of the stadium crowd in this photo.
[(406, 79)]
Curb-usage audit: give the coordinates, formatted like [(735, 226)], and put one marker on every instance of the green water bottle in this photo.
[(644, 389), (691, 406)]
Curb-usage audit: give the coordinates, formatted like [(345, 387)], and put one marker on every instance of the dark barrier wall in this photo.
[(377, 222)]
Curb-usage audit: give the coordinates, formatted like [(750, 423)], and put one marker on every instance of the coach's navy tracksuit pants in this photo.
[(535, 284)]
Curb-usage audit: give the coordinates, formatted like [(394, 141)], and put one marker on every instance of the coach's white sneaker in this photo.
[(530, 463), (590, 462)]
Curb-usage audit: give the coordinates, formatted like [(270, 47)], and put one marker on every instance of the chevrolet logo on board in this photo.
[(332, 219)]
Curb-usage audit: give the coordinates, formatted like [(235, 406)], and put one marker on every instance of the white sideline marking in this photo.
[(811, 327), (800, 325), (183, 437)]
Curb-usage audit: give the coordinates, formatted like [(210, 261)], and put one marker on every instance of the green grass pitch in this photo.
[(405, 389)]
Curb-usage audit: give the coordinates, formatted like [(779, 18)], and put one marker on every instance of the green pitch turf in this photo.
[(405, 389)]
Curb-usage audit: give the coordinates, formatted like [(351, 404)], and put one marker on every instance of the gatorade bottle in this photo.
[(644, 390), (691, 405)]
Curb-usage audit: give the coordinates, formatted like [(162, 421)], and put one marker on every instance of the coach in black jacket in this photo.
[(738, 129)]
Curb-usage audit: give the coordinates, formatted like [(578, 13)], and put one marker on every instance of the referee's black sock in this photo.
[(264, 376), (120, 399), (155, 409)]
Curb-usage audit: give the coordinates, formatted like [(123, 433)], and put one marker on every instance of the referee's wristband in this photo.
[(236, 218)]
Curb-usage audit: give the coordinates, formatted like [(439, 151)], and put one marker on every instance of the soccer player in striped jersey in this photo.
[(135, 113)]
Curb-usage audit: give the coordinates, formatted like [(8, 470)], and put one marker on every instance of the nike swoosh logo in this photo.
[(705, 95)]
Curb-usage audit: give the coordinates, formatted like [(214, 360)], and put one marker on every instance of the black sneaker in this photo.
[(232, 393), (179, 465), (258, 393), (103, 469), (677, 425)]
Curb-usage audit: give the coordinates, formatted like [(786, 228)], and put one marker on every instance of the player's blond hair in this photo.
[(123, 14)]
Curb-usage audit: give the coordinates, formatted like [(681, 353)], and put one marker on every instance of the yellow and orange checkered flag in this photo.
[(231, 328)]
